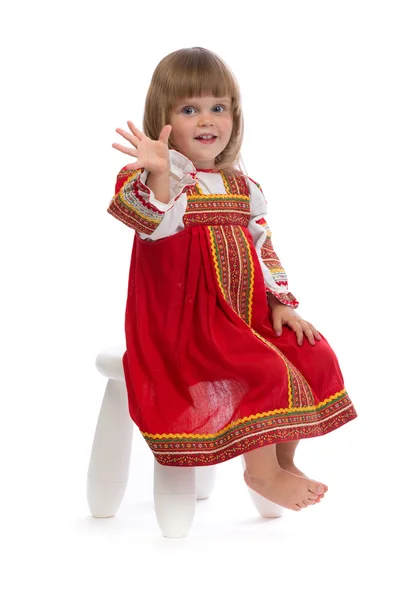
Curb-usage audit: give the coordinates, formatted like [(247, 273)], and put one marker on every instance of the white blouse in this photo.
[(184, 174)]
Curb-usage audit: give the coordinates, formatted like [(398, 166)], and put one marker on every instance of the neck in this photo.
[(204, 166)]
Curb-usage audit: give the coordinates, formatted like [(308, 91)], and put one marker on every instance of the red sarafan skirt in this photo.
[(206, 376)]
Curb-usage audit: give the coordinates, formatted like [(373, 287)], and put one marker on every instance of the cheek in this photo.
[(180, 132), (174, 132), (228, 127)]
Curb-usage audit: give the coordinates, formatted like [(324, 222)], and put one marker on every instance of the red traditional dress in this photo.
[(207, 379)]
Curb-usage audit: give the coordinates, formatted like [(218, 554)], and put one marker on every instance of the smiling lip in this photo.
[(209, 141)]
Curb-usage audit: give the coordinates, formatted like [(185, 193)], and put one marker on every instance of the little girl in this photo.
[(217, 363)]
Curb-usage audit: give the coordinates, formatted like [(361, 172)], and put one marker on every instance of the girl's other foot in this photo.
[(291, 467), (285, 488)]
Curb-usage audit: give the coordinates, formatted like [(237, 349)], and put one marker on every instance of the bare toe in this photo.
[(315, 488), (312, 496), (308, 502)]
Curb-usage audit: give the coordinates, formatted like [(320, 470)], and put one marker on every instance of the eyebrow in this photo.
[(226, 99)]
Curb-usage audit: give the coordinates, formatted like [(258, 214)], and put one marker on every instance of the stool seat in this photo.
[(109, 362)]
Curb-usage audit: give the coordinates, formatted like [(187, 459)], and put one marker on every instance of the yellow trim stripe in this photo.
[(278, 411)]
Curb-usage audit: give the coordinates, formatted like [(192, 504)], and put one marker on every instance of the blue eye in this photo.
[(192, 108)]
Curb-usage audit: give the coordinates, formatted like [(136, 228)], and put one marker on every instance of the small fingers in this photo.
[(297, 328), (130, 151), (139, 134), (315, 332), (277, 326), (309, 333), (134, 140), (164, 134)]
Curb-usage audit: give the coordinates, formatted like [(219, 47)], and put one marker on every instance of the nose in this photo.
[(205, 120)]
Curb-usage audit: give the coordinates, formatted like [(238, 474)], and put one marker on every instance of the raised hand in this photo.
[(152, 155)]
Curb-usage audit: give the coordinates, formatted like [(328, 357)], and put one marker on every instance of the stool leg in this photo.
[(174, 499), (205, 481), (266, 508), (111, 451)]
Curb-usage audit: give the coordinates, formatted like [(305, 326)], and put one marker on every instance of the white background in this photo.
[(321, 97)]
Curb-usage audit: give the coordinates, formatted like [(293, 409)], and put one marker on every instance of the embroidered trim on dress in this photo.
[(234, 267), (273, 264), (252, 432), (131, 206)]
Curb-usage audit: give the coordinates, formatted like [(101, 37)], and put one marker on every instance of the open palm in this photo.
[(152, 155)]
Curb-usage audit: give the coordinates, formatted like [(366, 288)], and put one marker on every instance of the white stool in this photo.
[(176, 489)]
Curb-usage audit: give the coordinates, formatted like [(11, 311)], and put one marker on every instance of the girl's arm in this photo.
[(275, 278), (149, 210), (159, 185)]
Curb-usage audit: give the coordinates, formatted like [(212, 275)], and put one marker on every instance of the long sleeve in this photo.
[(135, 205), (275, 278)]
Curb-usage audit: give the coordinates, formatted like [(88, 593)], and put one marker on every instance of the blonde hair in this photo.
[(193, 72)]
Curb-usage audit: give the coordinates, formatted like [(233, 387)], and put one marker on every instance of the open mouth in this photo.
[(209, 139)]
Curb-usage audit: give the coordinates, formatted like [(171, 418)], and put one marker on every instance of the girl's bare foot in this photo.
[(286, 489), (285, 454), (291, 467), (264, 475)]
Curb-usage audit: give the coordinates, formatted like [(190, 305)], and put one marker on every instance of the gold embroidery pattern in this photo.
[(251, 432), (272, 261), (235, 184), (232, 208), (130, 207), (234, 266), (217, 210)]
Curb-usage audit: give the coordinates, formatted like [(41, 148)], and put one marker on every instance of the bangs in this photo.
[(197, 74)]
